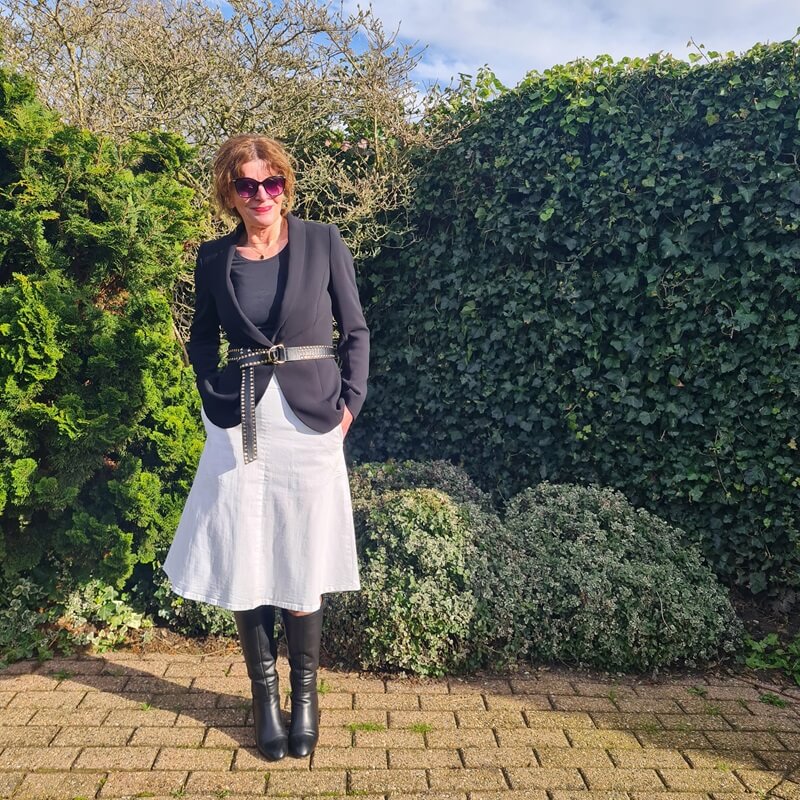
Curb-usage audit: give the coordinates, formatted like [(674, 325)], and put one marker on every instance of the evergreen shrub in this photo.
[(426, 603), (613, 587), (99, 419), (602, 289)]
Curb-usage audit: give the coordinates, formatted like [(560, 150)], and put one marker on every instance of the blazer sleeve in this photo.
[(354, 335), (204, 332)]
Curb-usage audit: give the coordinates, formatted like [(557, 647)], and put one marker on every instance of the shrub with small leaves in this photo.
[(611, 586)]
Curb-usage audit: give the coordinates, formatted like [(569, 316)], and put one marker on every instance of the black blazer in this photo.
[(320, 286)]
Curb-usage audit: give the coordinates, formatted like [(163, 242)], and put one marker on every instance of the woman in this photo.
[(268, 521)]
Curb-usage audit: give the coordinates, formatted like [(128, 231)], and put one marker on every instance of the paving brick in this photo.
[(669, 796), (5, 698), (676, 690), (102, 736), (417, 685), (238, 686), (388, 780), (56, 716), (622, 780), (129, 717), (191, 758), (700, 780), (395, 737), (610, 689), (428, 794), (771, 782), (693, 722), (648, 705), (724, 760), (543, 685), (752, 740), (464, 737), (112, 758), (28, 683), (336, 717), (24, 666), (58, 785), (510, 794), (479, 686), (752, 722), (10, 780), (186, 700), (522, 702), (786, 761), (218, 783), (339, 700), (732, 693), (558, 719), (583, 703), (452, 702), (466, 780), (604, 739), (436, 719), (789, 740), (162, 736), (101, 700), (396, 701), (332, 737), (349, 758), (305, 783), (132, 784), (229, 736), (337, 682), (27, 735), (502, 718), (33, 758), (587, 795), (499, 757), (214, 717), (191, 669), (533, 737), (628, 722), (47, 699), (702, 705), (93, 683), (414, 758), (650, 758), (673, 739), (578, 757), (542, 778), (766, 709)]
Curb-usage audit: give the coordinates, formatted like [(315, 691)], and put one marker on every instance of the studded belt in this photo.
[(248, 358)]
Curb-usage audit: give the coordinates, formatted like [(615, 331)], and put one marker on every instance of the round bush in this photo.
[(610, 586)]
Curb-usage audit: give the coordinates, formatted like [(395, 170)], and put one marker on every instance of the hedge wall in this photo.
[(99, 421), (603, 287)]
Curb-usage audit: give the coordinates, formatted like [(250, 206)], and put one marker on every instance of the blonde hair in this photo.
[(238, 150)]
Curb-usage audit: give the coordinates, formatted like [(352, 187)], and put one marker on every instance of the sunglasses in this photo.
[(248, 187)]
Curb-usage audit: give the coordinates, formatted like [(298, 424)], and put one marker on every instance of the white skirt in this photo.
[(277, 531)]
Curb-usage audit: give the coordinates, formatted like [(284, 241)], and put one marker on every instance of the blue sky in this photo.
[(515, 36)]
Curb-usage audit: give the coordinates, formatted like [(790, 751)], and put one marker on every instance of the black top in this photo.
[(259, 285)]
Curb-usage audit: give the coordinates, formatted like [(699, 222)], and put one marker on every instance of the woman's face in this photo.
[(260, 211)]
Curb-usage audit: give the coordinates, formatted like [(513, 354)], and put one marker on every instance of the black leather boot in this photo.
[(257, 636), (303, 635)]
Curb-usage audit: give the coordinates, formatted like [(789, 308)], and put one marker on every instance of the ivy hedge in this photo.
[(99, 419), (603, 288)]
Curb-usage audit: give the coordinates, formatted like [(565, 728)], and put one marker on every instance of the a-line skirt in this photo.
[(277, 531)]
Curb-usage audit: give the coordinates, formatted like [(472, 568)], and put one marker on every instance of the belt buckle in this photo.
[(273, 356)]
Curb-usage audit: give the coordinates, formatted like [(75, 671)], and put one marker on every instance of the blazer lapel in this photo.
[(296, 277)]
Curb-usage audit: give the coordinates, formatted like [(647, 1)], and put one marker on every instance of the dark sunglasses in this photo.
[(248, 187)]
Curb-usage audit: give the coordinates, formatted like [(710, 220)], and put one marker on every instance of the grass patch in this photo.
[(697, 691), (365, 726), (422, 727), (772, 700)]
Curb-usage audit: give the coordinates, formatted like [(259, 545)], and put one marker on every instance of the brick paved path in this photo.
[(177, 726)]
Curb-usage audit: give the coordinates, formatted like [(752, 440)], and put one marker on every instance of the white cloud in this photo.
[(515, 36)]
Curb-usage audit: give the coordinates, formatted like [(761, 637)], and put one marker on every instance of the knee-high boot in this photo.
[(303, 635), (257, 636)]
